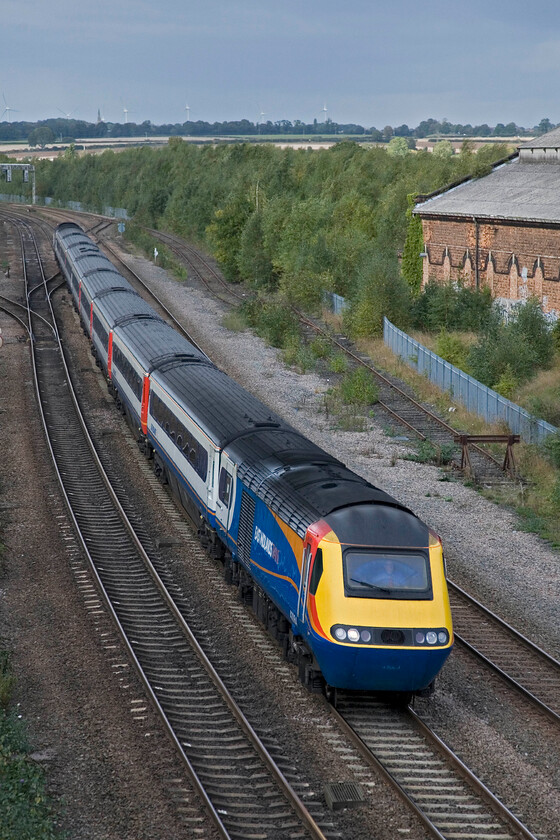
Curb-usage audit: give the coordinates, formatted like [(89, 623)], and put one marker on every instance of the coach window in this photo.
[(224, 487)]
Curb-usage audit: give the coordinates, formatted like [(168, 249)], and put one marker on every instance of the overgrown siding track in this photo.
[(398, 405), (244, 792)]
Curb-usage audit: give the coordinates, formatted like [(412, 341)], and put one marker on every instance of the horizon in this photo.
[(369, 63)]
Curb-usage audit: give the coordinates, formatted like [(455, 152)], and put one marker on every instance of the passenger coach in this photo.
[(350, 581)]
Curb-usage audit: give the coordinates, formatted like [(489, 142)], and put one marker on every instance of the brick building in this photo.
[(502, 230)]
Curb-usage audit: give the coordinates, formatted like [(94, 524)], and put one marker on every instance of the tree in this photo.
[(398, 147), (443, 149), (411, 266), (41, 136), (544, 126)]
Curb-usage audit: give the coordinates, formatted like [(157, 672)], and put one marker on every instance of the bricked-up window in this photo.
[(129, 374), (100, 331), (191, 448)]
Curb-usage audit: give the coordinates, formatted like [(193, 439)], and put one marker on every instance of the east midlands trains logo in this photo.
[(266, 544)]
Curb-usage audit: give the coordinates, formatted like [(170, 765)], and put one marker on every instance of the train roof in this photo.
[(153, 342), (296, 478), (103, 281), (115, 305), (221, 408), (300, 481)]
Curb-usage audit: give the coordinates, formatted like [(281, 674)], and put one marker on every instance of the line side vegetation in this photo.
[(293, 224)]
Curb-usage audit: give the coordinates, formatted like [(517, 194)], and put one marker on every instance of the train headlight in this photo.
[(365, 636), (435, 636), (353, 635), (340, 633)]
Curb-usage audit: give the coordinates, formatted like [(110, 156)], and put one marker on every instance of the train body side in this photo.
[(309, 533)]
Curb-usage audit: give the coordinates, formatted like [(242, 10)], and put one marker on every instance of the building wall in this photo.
[(516, 262)]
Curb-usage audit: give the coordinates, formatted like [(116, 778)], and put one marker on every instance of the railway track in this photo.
[(450, 800), (449, 806), (512, 656), (245, 793)]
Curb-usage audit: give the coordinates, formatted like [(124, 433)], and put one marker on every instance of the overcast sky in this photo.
[(373, 62)]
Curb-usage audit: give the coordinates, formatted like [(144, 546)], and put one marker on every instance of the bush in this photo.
[(507, 383), (272, 320), (452, 307), (513, 351), (530, 326), (451, 348), (358, 388), (551, 448), (382, 292)]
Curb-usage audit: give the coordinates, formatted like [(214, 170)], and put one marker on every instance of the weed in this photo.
[(234, 321), (358, 388), (320, 347), (551, 449), (25, 812), (350, 422), (298, 355), (429, 453), (338, 363)]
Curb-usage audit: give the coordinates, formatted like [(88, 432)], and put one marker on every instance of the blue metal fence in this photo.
[(475, 396), (336, 303), (115, 212)]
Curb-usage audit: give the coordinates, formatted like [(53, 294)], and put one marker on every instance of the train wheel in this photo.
[(331, 694), (159, 471)]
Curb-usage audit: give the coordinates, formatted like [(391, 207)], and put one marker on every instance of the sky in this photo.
[(371, 62)]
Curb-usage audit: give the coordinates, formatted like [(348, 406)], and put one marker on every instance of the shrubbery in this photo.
[(508, 354)]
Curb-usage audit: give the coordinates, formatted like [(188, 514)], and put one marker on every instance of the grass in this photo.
[(25, 812)]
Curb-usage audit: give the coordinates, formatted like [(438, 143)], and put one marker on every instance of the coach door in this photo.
[(225, 497), (304, 582)]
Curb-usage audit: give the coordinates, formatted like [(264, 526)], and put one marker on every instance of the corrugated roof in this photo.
[(515, 191), (550, 140)]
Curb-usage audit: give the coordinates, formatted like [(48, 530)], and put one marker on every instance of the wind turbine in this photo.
[(188, 110), (65, 114), (7, 109), (324, 110)]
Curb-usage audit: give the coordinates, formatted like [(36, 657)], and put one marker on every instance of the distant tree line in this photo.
[(292, 222), (66, 130)]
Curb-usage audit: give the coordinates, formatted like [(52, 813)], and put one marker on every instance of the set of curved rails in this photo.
[(435, 784), (244, 791)]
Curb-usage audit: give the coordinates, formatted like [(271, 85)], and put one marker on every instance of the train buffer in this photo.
[(465, 440)]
